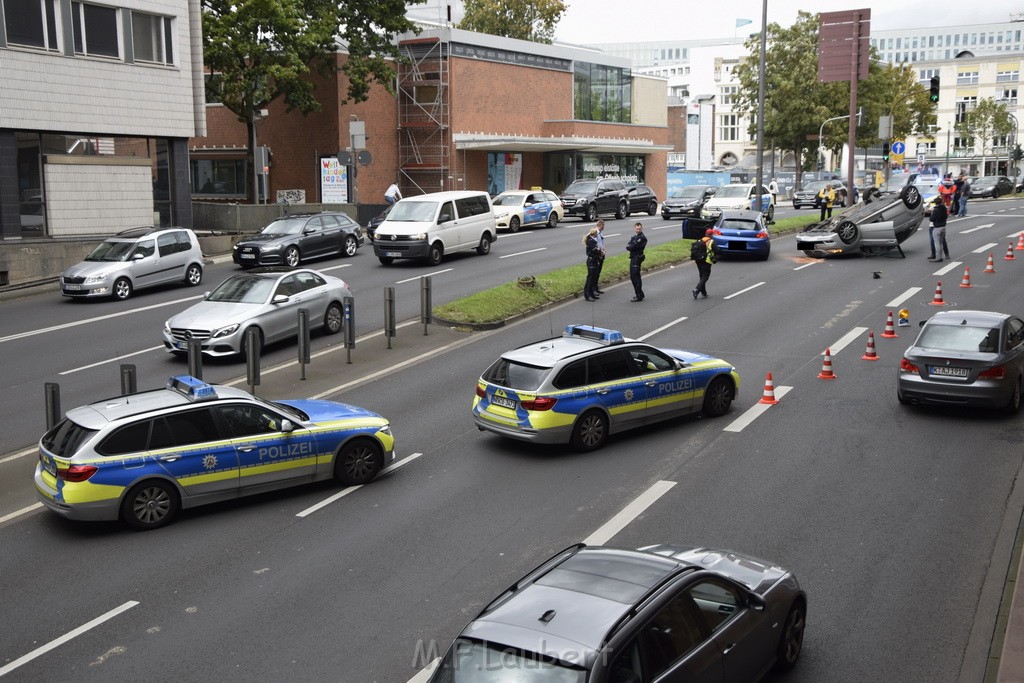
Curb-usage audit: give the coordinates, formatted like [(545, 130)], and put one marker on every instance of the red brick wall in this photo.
[(488, 97), (677, 128)]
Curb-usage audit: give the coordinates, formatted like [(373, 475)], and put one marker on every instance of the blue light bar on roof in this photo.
[(599, 334), (191, 388)]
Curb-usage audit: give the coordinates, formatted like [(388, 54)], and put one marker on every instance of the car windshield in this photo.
[(581, 188), (111, 250), (733, 191), (65, 438), (513, 375), (508, 200), (243, 289), (470, 661), (960, 338), (691, 192), (285, 226), (413, 211)]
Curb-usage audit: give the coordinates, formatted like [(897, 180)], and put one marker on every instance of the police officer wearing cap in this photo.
[(636, 245)]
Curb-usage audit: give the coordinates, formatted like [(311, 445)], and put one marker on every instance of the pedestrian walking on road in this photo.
[(965, 194), (826, 199), (636, 245), (938, 232), (600, 244), (704, 253), (773, 189), (593, 265), (392, 194)]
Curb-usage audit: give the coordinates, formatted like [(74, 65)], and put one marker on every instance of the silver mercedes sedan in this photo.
[(965, 358), (267, 300)]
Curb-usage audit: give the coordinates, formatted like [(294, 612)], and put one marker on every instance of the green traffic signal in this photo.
[(933, 89), (885, 151)]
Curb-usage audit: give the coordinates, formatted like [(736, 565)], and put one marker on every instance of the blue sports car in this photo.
[(742, 233)]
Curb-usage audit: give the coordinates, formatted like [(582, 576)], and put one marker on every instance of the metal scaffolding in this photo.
[(424, 132)]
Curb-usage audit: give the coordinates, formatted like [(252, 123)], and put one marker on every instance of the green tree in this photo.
[(983, 123), (262, 50), (524, 19)]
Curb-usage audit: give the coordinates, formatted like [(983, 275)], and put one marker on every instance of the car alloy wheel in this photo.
[(792, 640), (351, 245), (652, 209), (122, 289), (622, 211), (1013, 405), (717, 397), (513, 224), (149, 505), (291, 257), (590, 431), (333, 319), (847, 232), (552, 219), (591, 213), (358, 462), (484, 247), (194, 275)]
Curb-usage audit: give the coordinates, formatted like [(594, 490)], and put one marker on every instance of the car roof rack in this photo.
[(541, 569), (642, 602)]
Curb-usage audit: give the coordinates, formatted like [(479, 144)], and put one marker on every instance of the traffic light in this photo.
[(933, 89), (1018, 154), (885, 151)]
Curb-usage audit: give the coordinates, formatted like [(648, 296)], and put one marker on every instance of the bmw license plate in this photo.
[(943, 371), (73, 288), (50, 466), (503, 402), (248, 255), (393, 254)]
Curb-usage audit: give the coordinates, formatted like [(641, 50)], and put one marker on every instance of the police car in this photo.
[(592, 382), (144, 457), (517, 208)]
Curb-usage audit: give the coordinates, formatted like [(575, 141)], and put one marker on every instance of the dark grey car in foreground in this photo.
[(965, 358), (876, 225), (664, 612), (290, 240)]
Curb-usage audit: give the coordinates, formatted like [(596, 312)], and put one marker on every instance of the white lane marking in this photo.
[(505, 235), (1015, 235), (946, 269), (19, 454), (976, 228), (841, 343), (806, 265), (755, 411), (402, 282), (520, 253), (661, 329), (111, 360), (903, 297), (985, 248), (743, 291), (45, 330), (327, 270), (53, 644), (629, 513), (22, 511), (614, 234), (425, 672), (663, 227), (351, 489)]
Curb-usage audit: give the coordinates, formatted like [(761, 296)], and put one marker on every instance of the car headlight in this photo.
[(225, 331), (386, 429), (272, 247), (581, 200), (421, 236), (94, 279), (501, 215), (167, 326)]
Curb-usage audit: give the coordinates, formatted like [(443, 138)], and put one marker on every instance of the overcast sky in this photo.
[(616, 21)]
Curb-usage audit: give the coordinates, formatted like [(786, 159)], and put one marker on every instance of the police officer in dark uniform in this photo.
[(636, 245)]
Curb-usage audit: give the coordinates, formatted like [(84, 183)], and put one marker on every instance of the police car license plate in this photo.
[(49, 466), (248, 255), (503, 402), (73, 288), (943, 371), (393, 254)]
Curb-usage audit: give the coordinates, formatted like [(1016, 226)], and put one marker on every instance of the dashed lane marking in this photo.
[(755, 411)]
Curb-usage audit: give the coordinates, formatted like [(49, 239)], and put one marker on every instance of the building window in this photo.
[(964, 105), (219, 177), (1007, 96), (961, 143), (95, 30), (967, 77), (151, 38), (728, 127), (602, 93), (727, 95), (31, 23), (1007, 76)]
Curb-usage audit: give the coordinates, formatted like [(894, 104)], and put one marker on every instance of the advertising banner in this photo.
[(333, 181), (504, 172)]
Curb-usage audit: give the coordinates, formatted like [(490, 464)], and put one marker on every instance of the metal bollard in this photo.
[(389, 314), (303, 341), (425, 305), (195, 358), (350, 330), (129, 385), (252, 358), (51, 393)]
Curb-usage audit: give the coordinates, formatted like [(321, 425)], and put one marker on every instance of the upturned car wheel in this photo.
[(590, 431), (484, 247), (591, 213), (435, 254), (150, 505), (911, 197), (847, 232), (552, 219), (351, 246), (622, 211), (333, 319), (717, 397), (791, 641), (513, 225), (122, 288), (194, 275), (358, 462), (291, 257)]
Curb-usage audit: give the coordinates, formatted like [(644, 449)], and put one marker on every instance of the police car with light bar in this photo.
[(143, 457), (592, 382)]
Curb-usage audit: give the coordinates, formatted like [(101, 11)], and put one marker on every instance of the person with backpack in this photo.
[(704, 253)]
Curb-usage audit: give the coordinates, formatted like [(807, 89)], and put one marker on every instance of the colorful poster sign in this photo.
[(504, 172), (333, 181)]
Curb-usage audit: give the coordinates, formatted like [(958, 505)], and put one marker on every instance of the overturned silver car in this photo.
[(880, 223)]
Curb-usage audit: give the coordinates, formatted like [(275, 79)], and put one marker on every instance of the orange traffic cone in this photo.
[(990, 267), (966, 282), (1020, 242), (890, 330), (1009, 253), (937, 299), (826, 366), (869, 353), (769, 391)]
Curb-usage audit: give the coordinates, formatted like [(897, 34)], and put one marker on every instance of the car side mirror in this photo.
[(287, 425), (279, 299), (138, 256), (755, 602), (680, 365), (308, 231), (444, 218)]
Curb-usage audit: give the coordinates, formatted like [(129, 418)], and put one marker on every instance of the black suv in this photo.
[(666, 613), (588, 198), (641, 200)]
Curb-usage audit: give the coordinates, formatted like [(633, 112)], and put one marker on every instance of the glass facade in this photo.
[(602, 93)]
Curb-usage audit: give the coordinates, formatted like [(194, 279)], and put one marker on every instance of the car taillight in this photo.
[(539, 403), (997, 372), (762, 235), (907, 366), (481, 392), (76, 472), (716, 231)]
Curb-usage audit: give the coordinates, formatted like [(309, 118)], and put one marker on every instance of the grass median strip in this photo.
[(532, 292)]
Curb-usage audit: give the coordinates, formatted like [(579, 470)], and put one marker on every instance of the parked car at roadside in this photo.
[(600, 196), (991, 186), (641, 200), (134, 259), (686, 202), (295, 238), (808, 196), (517, 208), (737, 197)]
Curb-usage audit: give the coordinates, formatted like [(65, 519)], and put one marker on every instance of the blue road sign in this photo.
[(898, 147)]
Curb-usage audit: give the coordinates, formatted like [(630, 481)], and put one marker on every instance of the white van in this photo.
[(431, 225)]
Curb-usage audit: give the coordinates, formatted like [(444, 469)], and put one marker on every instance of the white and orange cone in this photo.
[(966, 282), (826, 366), (990, 267), (869, 352), (1020, 242), (937, 299), (769, 391), (1009, 253), (890, 329)]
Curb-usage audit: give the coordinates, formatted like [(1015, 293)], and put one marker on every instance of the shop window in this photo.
[(151, 38), (31, 23), (218, 177), (95, 30)]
